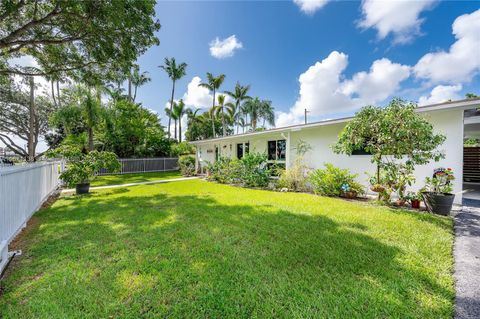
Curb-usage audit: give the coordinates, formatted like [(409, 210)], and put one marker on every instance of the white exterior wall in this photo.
[(447, 122)]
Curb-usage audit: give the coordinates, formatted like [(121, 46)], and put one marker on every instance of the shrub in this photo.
[(250, 171), (253, 170), (187, 165), (224, 170), (329, 181), (183, 148), (81, 167), (294, 178)]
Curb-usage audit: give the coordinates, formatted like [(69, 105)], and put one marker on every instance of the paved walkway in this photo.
[(69, 190), (467, 262)]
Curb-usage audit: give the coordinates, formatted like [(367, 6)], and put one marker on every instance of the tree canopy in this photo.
[(82, 38), (396, 130)]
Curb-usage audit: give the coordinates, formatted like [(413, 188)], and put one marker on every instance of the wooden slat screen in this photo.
[(471, 164)]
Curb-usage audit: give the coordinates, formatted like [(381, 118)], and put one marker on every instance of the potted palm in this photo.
[(437, 191), (81, 168)]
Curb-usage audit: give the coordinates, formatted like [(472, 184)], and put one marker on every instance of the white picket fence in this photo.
[(144, 165), (23, 189)]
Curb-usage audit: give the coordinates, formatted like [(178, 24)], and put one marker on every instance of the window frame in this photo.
[(276, 159), (245, 149)]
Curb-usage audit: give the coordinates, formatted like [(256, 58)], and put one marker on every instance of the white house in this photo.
[(280, 143)]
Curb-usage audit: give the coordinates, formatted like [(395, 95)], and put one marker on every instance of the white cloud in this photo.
[(441, 93), (310, 6), (379, 83), (225, 48), (323, 89), (196, 96), (462, 62), (399, 17)]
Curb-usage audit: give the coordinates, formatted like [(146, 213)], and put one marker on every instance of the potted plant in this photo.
[(348, 192), (415, 199), (81, 168), (437, 191)]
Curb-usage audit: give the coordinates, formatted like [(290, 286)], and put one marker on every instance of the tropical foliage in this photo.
[(250, 171), (397, 137), (82, 168), (175, 72), (186, 164), (87, 40), (332, 181)]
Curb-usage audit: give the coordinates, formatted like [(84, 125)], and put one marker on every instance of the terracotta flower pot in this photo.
[(415, 203), (377, 188), (350, 194), (400, 202)]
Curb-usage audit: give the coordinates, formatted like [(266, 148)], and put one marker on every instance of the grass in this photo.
[(194, 249), (133, 178)]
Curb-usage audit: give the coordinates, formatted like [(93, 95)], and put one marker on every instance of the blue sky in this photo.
[(333, 44)]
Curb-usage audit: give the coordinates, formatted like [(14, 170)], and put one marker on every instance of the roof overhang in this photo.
[(460, 104)]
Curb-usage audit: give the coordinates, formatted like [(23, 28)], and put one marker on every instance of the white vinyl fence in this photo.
[(23, 189), (144, 165)]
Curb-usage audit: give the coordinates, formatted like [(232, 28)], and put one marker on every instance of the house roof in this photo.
[(461, 104)]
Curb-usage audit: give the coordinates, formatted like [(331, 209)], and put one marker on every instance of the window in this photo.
[(242, 149), (361, 151), (277, 150)]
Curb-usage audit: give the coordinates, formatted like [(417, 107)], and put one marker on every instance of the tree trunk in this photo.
[(135, 93), (130, 86), (175, 134), (254, 122), (53, 94), (90, 139), (31, 123), (213, 114), (180, 129), (223, 121), (58, 93), (171, 109)]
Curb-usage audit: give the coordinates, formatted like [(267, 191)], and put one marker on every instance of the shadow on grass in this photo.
[(191, 256)]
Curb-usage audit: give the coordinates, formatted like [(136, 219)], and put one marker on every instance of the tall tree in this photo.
[(138, 79), (179, 110), (174, 72), (258, 109), (239, 94), (267, 113), (68, 36), (222, 108), (82, 113), (213, 84), (23, 115)]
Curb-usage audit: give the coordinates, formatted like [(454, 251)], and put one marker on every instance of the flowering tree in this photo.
[(397, 137)]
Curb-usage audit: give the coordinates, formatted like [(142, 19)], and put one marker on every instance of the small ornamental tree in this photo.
[(395, 136), (82, 168)]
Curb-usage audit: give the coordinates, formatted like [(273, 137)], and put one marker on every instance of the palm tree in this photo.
[(267, 112), (259, 109), (221, 108), (241, 123), (212, 115), (138, 79), (175, 72), (172, 115), (239, 95), (179, 111), (213, 84)]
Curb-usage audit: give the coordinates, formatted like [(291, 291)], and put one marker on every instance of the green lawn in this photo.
[(133, 178), (194, 249)]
